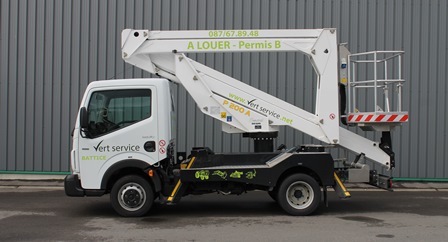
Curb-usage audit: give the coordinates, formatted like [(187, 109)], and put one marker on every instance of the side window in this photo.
[(112, 110)]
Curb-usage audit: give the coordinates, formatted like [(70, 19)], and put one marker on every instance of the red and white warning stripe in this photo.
[(376, 118)]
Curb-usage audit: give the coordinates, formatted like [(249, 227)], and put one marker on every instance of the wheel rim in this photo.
[(132, 196), (300, 195)]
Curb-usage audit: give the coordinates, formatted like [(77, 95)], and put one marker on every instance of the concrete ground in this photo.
[(40, 211)]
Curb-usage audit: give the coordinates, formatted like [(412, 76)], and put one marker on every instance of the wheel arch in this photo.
[(298, 170), (128, 167)]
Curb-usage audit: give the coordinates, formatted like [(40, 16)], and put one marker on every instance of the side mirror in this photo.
[(83, 118)]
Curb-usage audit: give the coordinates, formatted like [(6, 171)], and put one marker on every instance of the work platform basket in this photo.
[(375, 76)]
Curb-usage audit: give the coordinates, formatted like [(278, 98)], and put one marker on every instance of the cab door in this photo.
[(122, 125)]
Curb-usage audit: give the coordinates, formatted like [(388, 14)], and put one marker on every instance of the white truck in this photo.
[(124, 144)]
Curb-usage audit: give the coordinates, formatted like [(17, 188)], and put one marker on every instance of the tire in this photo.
[(299, 195), (132, 196)]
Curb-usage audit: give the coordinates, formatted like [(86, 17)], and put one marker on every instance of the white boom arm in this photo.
[(243, 108)]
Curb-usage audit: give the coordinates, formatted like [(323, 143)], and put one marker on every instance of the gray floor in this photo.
[(45, 213)]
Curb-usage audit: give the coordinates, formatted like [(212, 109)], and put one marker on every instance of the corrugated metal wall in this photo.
[(50, 50)]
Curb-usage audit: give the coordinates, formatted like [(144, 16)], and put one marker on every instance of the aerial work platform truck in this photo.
[(124, 138)]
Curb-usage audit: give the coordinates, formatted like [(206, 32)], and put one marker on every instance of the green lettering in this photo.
[(203, 174), (251, 174), (222, 174), (190, 46), (93, 157), (236, 174), (205, 45), (278, 44)]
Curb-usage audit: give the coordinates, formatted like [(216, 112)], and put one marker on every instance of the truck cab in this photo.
[(121, 124)]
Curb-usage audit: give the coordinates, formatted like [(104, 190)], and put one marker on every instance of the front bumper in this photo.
[(72, 187)]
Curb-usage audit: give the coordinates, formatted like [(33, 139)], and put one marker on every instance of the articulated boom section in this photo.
[(240, 107)]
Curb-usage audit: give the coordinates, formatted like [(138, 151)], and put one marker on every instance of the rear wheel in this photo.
[(299, 195), (132, 196)]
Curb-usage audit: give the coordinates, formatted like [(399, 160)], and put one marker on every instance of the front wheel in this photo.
[(132, 196), (299, 195)]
